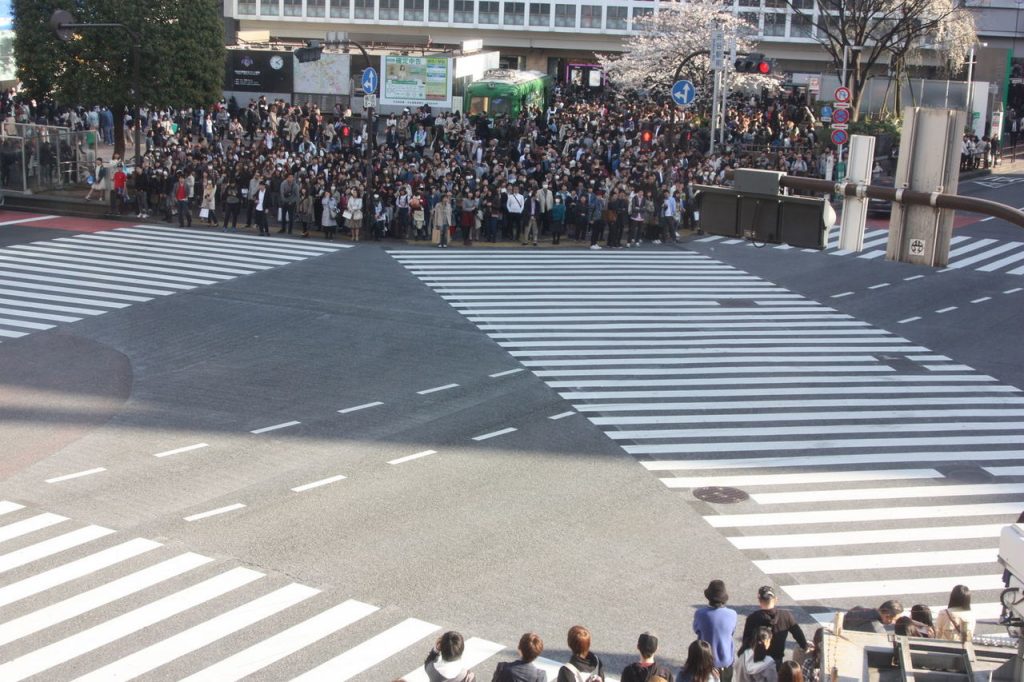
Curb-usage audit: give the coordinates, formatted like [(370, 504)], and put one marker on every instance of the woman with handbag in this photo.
[(329, 219), (305, 211), (208, 206), (956, 622), (354, 213), (441, 219)]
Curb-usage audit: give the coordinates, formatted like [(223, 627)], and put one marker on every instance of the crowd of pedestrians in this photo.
[(579, 171), (713, 656)]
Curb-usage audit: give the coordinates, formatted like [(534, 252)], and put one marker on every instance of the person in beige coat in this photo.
[(441, 219), (956, 622)]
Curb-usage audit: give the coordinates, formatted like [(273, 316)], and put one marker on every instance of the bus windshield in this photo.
[(492, 106)]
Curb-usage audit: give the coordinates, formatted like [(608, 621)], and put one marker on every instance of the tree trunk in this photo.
[(118, 112)]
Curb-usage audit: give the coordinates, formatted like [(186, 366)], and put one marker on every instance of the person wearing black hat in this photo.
[(780, 621), (715, 624)]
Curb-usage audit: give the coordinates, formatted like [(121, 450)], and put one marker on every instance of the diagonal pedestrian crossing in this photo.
[(974, 253), (48, 283), (840, 445), (86, 603)]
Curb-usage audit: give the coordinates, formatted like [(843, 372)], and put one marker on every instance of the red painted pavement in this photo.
[(959, 220), (20, 219)]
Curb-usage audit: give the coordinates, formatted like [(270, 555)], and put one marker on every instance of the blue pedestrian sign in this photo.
[(683, 93), (826, 112), (370, 80)]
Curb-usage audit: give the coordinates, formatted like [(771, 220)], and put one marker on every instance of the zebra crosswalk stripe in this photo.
[(112, 270), (784, 400)]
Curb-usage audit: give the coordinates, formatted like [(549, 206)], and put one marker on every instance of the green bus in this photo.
[(508, 92)]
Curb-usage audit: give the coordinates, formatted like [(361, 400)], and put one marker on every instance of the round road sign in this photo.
[(841, 116), (842, 94), (840, 137)]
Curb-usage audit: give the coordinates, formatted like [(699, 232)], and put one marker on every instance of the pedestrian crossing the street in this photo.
[(973, 253), (48, 283), (858, 465), (86, 603)]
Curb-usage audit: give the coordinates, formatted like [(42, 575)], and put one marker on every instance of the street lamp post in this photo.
[(672, 115), (970, 85), (371, 142), (63, 24)]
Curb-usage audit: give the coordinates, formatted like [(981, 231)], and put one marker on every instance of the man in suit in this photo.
[(261, 204)]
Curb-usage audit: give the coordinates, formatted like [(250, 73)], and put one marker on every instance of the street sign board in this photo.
[(370, 80), (840, 136), (683, 92), (842, 94), (917, 247), (369, 101), (840, 126), (841, 116), (826, 111), (716, 49)]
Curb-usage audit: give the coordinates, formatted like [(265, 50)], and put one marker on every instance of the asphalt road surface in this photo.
[(227, 456)]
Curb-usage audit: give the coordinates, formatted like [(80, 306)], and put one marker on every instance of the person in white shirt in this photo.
[(515, 204)]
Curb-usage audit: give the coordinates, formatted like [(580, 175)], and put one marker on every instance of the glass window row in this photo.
[(771, 17)]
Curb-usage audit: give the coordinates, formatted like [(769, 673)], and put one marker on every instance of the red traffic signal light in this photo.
[(646, 136), (346, 131), (754, 62)]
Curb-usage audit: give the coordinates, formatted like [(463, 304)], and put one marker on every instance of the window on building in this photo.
[(775, 4), (339, 9), (540, 14), (801, 26), (750, 20), (641, 12), (590, 16), (386, 9), (565, 15), (315, 8), (268, 8), (247, 6), (293, 8), (464, 11), (413, 10), (750, 3), (438, 11), (363, 9), (488, 13), (774, 24), (515, 13), (803, 4), (617, 18)]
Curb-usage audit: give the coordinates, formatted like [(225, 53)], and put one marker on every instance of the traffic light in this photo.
[(646, 134), (310, 53), (754, 62), (646, 137), (346, 136)]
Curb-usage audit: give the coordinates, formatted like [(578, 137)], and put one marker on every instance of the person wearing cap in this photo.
[(781, 622), (716, 624), (646, 669)]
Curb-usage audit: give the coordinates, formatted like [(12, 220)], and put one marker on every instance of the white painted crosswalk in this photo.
[(975, 253), (60, 281), (82, 602), (845, 443)]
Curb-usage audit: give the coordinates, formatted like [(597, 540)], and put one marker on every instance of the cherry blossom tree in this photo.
[(882, 32), (677, 31)]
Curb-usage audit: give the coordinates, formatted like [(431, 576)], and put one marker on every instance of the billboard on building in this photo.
[(415, 81), (331, 75), (262, 71)]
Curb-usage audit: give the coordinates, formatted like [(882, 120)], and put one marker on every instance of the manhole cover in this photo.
[(720, 495)]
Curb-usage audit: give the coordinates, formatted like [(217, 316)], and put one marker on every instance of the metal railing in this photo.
[(37, 158)]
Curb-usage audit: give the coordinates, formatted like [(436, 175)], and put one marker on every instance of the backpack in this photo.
[(582, 676)]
